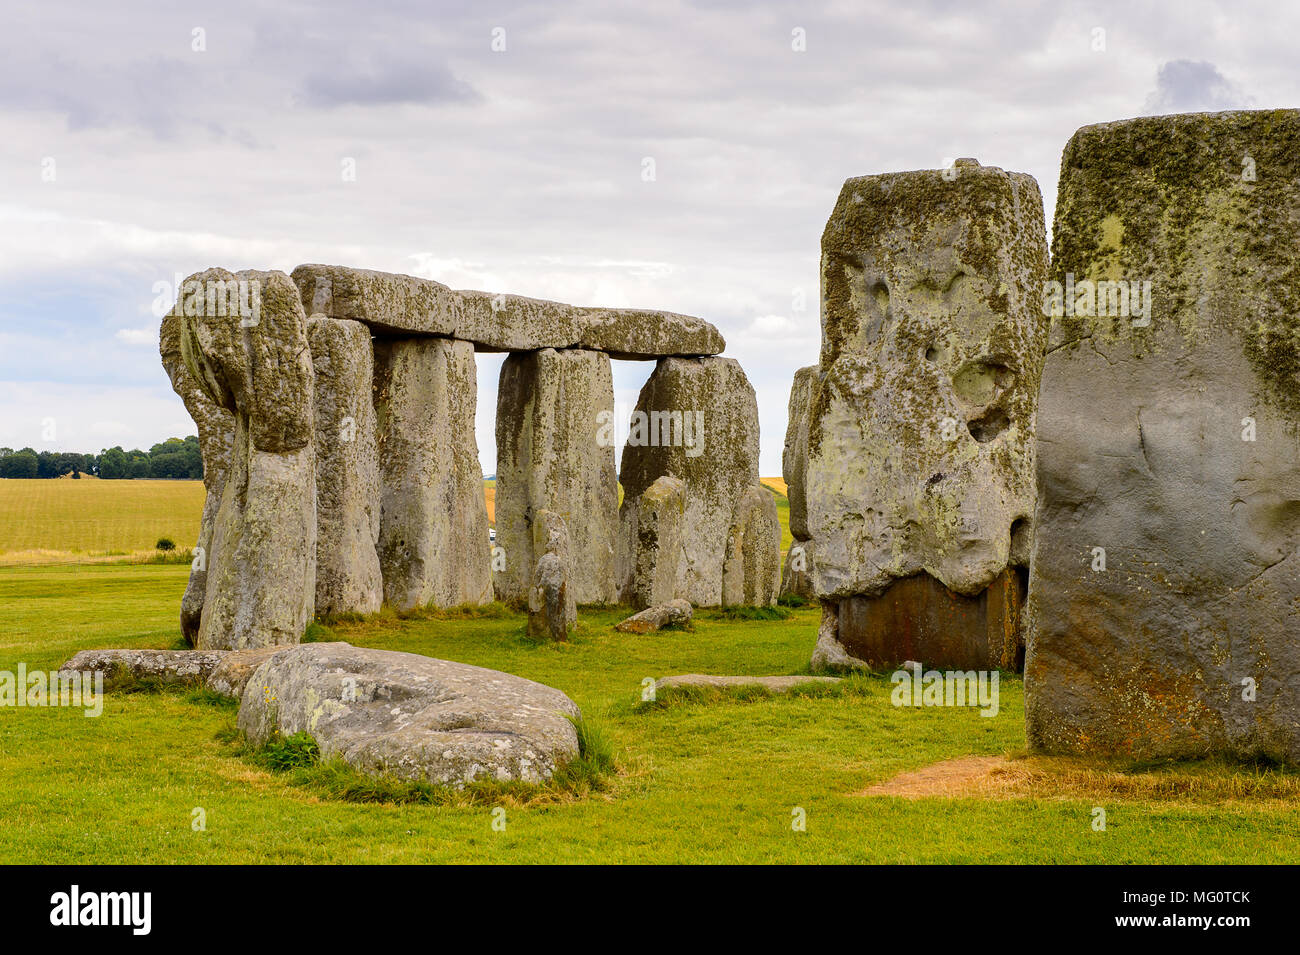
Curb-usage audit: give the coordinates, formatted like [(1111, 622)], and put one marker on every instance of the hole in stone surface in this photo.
[(932, 354), (880, 293), (988, 427), (979, 382)]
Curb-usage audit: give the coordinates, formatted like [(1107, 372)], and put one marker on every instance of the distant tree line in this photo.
[(173, 458)]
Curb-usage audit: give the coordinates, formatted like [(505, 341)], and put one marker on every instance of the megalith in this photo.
[(433, 535), (1164, 605), (244, 341), (751, 568), (920, 447), (650, 543), (796, 574), (697, 420), (216, 427), (347, 468), (555, 451), (552, 610)]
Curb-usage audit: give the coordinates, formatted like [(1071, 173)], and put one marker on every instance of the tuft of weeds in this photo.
[(317, 632), (493, 611), (856, 685), (794, 601)]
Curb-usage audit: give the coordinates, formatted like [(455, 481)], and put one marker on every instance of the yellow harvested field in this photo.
[(51, 521), (777, 484)]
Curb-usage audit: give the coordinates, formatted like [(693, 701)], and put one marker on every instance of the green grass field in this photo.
[(705, 782)]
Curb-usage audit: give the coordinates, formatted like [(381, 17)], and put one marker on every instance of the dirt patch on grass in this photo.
[(1043, 777)]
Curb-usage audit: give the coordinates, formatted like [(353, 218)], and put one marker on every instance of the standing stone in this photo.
[(650, 543), (555, 452), (1165, 599), (347, 468), (244, 341), (552, 611), (794, 457), (216, 427), (920, 457), (433, 535), (696, 420), (796, 573), (751, 572)]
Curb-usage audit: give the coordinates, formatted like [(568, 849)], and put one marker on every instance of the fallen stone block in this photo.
[(410, 716), (674, 613)]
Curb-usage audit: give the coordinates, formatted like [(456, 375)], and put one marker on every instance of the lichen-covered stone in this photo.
[(433, 537), (696, 420), (1165, 597), (796, 573), (751, 572), (920, 451), (404, 304), (650, 543), (794, 457), (347, 468), (675, 613), (245, 343), (216, 428), (411, 716), (555, 452), (552, 610)]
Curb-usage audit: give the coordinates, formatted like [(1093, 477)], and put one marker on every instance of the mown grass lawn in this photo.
[(702, 782)]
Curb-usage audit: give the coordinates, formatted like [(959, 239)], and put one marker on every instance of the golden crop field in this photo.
[(51, 521)]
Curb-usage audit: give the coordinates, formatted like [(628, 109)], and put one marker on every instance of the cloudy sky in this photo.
[(501, 146)]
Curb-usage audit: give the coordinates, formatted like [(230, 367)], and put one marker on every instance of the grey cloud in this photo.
[(1186, 86), (379, 81)]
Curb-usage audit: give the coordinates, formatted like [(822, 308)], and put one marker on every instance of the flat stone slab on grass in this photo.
[(773, 684), (674, 612), (225, 671), (411, 716)]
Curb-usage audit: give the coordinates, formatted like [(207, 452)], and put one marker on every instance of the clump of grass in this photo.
[(793, 601), (747, 613), (283, 753), (317, 632), (492, 611)]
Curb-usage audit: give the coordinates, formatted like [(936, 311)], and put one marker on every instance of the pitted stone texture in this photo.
[(796, 575), (216, 427), (921, 436), (650, 543), (347, 468), (676, 613), (696, 420), (411, 716), (433, 540), (555, 451), (404, 304), (552, 611), (255, 362), (794, 457), (1141, 449), (751, 574)]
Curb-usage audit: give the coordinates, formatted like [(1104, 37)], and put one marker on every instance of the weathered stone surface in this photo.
[(225, 671), (650, 543), (433, 538), (696, 420), (918, 618), (1168, 441), (404, 304), (553, 411), (552, 611), (796, 575), (921, 437), (674, 612), (751, 573), (246, 347), (411, 716), (216, 427), (794, 457), (347, 468), (829, 655), (773, 684)]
